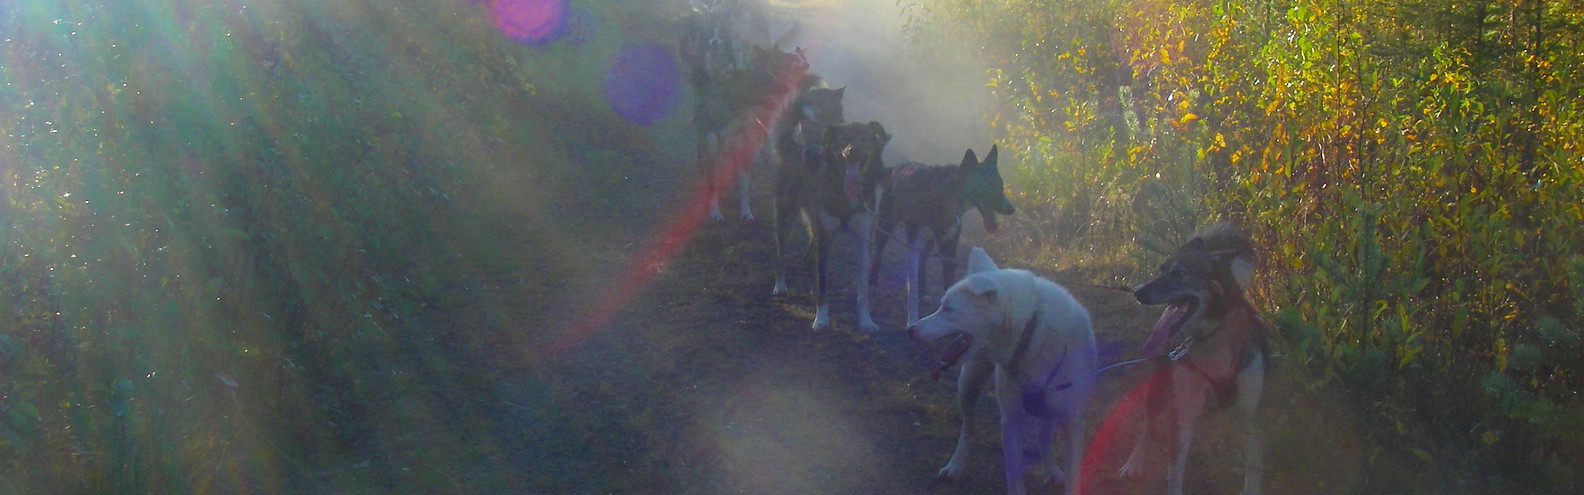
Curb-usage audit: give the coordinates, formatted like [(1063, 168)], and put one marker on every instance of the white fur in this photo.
[(994, 305)]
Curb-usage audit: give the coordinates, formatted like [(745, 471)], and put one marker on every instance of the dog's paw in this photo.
[(747, 216), (715, 213), (1052, 474), (869, 326), (822, 317), (1133, 468), (950, 473), (779, 289)]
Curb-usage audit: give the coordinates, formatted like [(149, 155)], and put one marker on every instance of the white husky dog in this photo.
[(1036, 339)]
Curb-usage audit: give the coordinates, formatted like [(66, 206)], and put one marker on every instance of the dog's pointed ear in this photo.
[(970, 161), (979, 261), (1195, 244), (840, 92), (879, 131), (1242, 272), (983, 286), (990, 158)]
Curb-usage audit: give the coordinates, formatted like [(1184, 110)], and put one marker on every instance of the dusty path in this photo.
[(708, 384)]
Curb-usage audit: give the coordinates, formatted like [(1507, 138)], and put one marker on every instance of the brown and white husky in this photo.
[(832, 189), (1222, 355)]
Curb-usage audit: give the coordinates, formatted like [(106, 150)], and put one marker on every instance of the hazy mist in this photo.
[(933, 102)]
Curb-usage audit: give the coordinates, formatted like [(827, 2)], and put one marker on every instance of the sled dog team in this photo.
[(1026, 332)]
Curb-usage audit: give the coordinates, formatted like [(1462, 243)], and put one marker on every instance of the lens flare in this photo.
[(686, 220), (530, 22), (1117, 436), (642, 85)]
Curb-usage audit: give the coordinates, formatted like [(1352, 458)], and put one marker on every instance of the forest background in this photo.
[(1412, 171)]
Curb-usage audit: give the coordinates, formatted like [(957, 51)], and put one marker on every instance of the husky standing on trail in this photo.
[(1221, 360), (920, 197), (798, 135), (723, 41), (1032, 335), (832, 189)]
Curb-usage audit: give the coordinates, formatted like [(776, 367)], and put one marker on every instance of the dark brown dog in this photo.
[(920, 199), (832, 189)]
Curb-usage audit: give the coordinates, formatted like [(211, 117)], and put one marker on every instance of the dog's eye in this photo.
[(1177, 272), (946, 309)]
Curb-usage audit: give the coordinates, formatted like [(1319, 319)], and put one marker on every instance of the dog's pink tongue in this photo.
[(951, 355), (1162, 332), (851, 183), (990, 224)]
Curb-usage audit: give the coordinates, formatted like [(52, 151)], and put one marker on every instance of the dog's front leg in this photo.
[(948, 254), (744, 209), (1050, 470), (975, 372), (915, 274), (822, 242), (1189, 398), (884, 227), (782, 216), (1014, 429), (1156, 397), (713, 141), (863, 226), (1074, 423), (1250, 383)]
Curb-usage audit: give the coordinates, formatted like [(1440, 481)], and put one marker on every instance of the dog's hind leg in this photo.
[(1250, 383), (970, 384)]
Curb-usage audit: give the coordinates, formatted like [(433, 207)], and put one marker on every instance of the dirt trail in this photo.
[(708, 384)]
